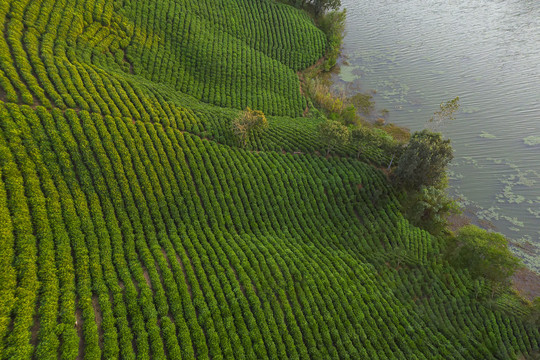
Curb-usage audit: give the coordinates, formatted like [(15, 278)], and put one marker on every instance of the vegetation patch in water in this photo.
[(532, 140), (486, 135), (535, 213)]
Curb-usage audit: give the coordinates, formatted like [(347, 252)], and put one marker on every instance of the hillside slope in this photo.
[(132, 227)]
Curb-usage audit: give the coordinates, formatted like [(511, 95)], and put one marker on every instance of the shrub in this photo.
[(248, 124)]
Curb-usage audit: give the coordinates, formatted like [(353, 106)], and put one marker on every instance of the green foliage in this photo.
[(362, 135), (398, 133), (248, 124), (332, 134), (534, 317), (208, 51), (483, 253), (325, 5), (364, 102), (445, 114), (133, 227), (349, 115), (333, 25), (317, 6), (429, 207), (424, 161), (321, 94)]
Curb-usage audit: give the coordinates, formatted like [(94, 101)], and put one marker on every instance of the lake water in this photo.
[(419, 53)]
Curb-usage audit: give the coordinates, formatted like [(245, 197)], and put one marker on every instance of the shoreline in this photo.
[(525, 282), (494, 171)]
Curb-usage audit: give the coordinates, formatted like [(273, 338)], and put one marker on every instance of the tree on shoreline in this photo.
[(318, 6), (484, 254), (424, 161), (332, 134), (446, 113)]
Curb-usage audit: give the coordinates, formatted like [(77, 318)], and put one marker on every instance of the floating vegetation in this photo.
[(486, 135), (348, 73), (460, 198), (495, 160), (452, 175), (470, 110), (509, 196), (528, 251), (489, 214), (535, 213), (532, 140), (513, 220), (469, 160)]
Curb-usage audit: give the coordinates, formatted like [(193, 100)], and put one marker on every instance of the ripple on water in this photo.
[(486, 53)]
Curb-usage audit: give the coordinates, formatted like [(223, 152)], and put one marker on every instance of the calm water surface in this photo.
[(418, 53)]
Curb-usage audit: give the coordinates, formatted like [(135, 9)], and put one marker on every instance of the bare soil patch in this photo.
[(147, 278), (527, 283), (457, 221), (35, 330), (98, 317), (79, 327)]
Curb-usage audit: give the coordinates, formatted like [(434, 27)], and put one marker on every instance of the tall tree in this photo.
[(319, 6), (445, 114), (362, 135), (429, 209), (332, 134), (424, 161), (484, 254)]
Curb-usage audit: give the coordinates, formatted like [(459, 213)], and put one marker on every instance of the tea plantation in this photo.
[(133, 226)]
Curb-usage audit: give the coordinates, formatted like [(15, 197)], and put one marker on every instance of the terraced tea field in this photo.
[(133, 227)]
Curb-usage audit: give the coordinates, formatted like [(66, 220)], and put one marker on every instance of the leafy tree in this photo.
[(332, 134), (349, 116), (325, 5), (249, 123), (484, 253), (362, 135), (446, 113), (424, 161), (332, 23), (318, 6), (399, 255), (430, 207)]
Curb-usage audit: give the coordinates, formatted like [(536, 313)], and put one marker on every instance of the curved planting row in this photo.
[(134, 240), (278, 31), (99, 55), (74, 55), (189, 54)]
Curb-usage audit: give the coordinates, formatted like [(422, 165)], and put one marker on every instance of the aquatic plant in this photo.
[(532, 140)]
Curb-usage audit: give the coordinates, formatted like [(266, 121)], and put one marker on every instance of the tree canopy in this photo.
[(319, 6), (333, 133), (424, 161), (430, 208), (484, 253), (362, 134), (445, 113)]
